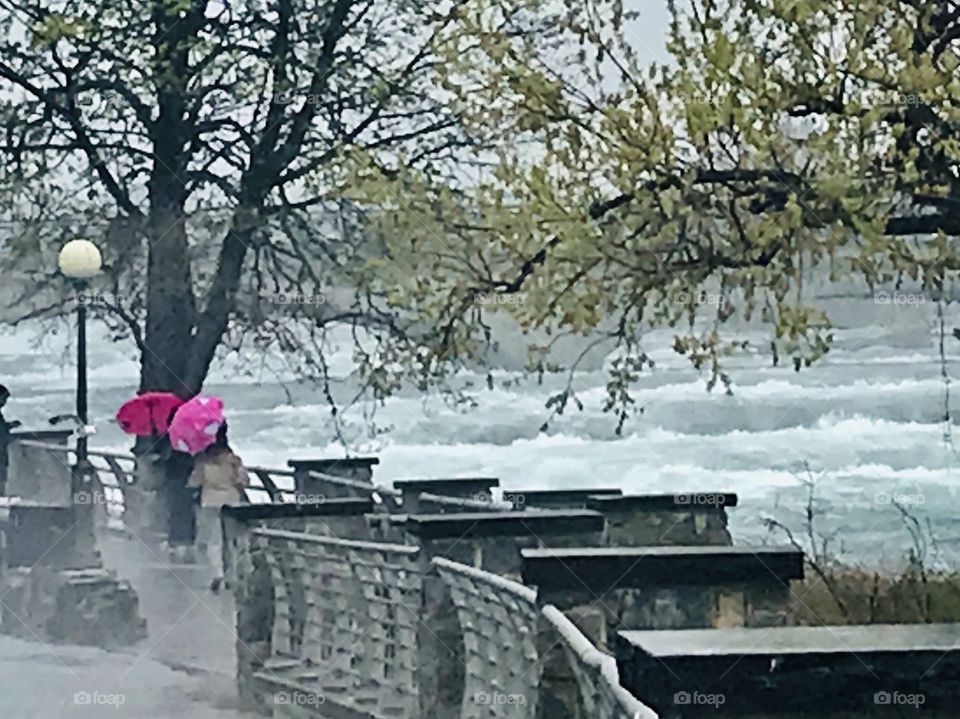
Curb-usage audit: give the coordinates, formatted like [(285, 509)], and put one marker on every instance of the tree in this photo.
[(206, 144), (482, 152), (784, 135)]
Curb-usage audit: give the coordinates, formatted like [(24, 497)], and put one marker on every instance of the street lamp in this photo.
[(79, 261)]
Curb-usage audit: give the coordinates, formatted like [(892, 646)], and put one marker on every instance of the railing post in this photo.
[(39, 470), (440, 672), (356, 468), (254, 599)]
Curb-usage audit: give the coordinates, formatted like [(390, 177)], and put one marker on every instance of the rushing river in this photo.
[(867, 420)]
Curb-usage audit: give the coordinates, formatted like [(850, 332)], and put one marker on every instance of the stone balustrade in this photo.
[(829, 672), (605, 589), (689, 518), (53, 585), (342, 517), (493, 540), (349, 605), (557, 498), (39, 467), (366, 629), (311, 475), (475, 489)]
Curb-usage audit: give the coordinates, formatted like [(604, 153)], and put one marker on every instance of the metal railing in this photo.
[(499, 619), (462, 504), (342, 631), (112, 472), (601, 695)]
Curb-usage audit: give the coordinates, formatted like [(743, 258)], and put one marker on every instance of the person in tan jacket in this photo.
[(221, 477)]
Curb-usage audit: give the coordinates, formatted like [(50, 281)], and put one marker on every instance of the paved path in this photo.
[(40, 681), (187, 624), (184, 669)]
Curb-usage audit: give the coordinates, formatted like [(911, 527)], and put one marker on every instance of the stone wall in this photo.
[(51, 586), (493, 540), (308, 479), (605, 590), (37, 471), (665, 519), (842, 671)]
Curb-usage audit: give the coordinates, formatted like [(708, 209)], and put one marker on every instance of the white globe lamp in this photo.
[(80, 260)]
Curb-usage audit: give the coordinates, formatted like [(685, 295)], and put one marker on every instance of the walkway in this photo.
[(184, 669), (40, 681)]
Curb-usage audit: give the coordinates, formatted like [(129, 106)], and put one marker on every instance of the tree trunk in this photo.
[(170, 304), (170, 301)]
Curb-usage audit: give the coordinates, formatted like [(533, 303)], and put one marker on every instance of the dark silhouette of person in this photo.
[(5, 428), (181, 518)]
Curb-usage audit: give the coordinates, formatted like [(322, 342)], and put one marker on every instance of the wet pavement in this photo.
[(185, 668)]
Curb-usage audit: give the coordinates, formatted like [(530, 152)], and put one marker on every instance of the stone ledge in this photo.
[(849, 671), (340, 506), (557, 498), (604, 569), (496, 524), (448, 486), (323, 465), (678, 502)]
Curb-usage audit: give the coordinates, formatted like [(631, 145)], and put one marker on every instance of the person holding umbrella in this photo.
[(221, 477), (148, 416), (200, 429)]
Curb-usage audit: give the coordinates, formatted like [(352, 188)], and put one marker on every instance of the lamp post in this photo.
[(79, 261)]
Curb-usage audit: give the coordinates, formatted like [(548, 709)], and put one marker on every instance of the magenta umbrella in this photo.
[(196, 423), (148, 414)]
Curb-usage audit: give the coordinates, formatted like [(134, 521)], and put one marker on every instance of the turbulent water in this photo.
[(868, 420)]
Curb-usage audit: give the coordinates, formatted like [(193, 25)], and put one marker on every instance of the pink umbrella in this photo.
[(148, 414), (195, 425)]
